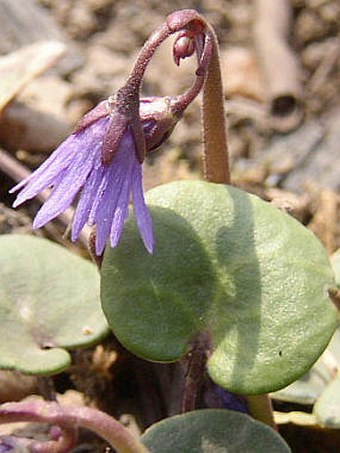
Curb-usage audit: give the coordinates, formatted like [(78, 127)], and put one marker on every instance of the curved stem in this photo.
[(181, 102), (180, 20), (216, 159), (126, 99), (67, 440), (146, 53), (204, 53), (69, 417)]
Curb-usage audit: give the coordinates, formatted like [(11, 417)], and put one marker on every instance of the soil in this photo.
[(297, 170)]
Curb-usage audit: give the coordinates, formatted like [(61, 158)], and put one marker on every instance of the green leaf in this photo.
[(310, 387), (49, 300), (212, 430), (327, 408), (227, 267)]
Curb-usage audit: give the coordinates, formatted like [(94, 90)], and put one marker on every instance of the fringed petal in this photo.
[(116, 195), (65, 191), (45, 176), (86, 201), (121, 212)]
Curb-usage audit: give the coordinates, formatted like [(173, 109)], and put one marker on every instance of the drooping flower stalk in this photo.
[(100, 163), (216, 158)]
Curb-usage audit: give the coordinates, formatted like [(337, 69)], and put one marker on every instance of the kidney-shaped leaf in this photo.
[(229, 268), (212, 430), (49, 301), (309, 387)]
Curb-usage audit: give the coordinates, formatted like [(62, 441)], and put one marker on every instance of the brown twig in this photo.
[(280, 65)]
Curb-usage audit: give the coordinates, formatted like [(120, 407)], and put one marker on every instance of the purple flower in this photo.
[(100, 164), (12, 444), (77, 168)]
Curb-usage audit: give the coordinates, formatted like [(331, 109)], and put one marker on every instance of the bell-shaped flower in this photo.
[(99, 165)]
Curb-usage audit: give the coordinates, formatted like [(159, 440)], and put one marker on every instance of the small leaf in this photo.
[(327, 408), (212, 430), (49, 301), (231, 267)]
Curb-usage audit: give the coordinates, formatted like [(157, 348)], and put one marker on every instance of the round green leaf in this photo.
[(229, 268), (49, 300), (310, 386), (212, 430), (327, 408)]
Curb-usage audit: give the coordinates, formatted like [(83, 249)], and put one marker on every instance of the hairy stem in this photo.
[(216, 159), (146, 53)]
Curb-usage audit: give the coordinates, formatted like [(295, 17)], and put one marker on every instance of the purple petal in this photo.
[(106, 189), (45, 175), (61, 159), (64, 192), (98, 196), (142, 213), (86, 201), (106, 210), (115, 196), (122, 211)]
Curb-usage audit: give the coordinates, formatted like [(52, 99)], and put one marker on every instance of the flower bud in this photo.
[(184, 47), (157, 119)]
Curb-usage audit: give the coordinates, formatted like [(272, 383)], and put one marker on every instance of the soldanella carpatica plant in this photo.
[(195, 272)]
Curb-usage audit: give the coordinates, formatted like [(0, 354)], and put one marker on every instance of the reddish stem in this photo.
[(195, 371), (216, 159), (70, 417)]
